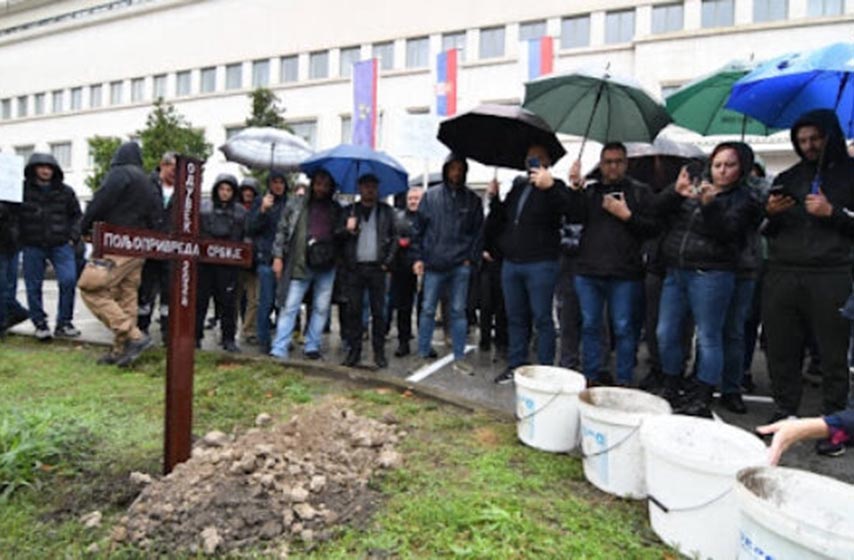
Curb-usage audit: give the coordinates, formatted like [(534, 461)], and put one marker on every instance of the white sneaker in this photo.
[(463, 368)]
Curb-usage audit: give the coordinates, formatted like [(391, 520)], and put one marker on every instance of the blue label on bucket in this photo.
[(596, 442), (525, 409), (753, 549)]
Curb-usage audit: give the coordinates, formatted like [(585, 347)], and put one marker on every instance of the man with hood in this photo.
[(304, 257), (124, 199), (222, 217), (447, 243), (261, 227), (247, 280), (809, 229), (155, 273), (49, 220)]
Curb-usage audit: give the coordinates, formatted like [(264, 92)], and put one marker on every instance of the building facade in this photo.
[(73, 69)]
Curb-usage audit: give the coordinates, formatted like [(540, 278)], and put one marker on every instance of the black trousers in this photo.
[(793, 302), (153, 286), (404, 284), (372, 278), (569, 315), (221, 283), (493, 316)]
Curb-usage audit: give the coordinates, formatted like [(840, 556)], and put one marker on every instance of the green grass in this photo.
[(467, 489)]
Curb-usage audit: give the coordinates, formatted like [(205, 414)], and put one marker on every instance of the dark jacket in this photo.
[(842, 420), (125, 197), (223, 220), (50, 214), (166, 212), (797, 239), (710, 236), (386, 234), (8, 229), (261, 226), (535, 236), (609, 246), (404, 224)]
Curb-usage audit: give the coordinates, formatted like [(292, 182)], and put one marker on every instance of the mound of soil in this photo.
[(301, 479)]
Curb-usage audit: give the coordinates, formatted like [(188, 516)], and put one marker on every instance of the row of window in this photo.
[(575, 33), (73, 15)]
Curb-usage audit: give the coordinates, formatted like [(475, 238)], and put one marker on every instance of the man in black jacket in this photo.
[(617, 216), (8, 248), (447, 243), (809, 229), (49, 221), (370, 243), (528, 223), (404, 283), (124, 199)]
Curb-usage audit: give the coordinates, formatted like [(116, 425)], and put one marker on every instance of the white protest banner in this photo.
[(11, 177)]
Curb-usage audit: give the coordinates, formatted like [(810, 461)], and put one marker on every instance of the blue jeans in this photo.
[(528, 293), (320, 303), (457, 280), (266, 300), (734, 334), (706, 294), (623, 298), (65, 267), (12, 305)]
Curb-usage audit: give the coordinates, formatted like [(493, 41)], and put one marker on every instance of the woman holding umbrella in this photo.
[(708, 215)]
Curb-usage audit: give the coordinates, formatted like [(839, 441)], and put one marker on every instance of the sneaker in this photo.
[(733, 402), (66, 331), (43, 333), (312, 355), (829, 448), (133, 349), (463, 368), (211, 323), (231, 346), (504, 377), (16, 318)]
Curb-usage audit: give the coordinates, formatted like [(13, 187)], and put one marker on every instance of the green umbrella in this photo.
[(699, 105), (596, 105)]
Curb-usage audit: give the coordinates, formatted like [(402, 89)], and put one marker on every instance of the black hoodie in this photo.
[(261, 226), (50, 214), (223, 220), (798, 240), (125, 197)]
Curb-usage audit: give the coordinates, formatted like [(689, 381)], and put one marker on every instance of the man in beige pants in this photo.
[(109, 286)]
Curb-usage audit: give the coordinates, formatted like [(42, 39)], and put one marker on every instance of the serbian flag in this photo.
[(365, 103), (537, 57), (446, 83)]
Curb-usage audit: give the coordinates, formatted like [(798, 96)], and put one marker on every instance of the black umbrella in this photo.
[(499, 135)]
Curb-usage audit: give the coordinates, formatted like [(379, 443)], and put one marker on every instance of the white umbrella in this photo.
[(663, 146), (266, 148)]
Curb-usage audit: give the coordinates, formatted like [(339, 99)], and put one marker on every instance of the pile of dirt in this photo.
[(299, 480)]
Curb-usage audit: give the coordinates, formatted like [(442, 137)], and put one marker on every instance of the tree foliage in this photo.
[(102, 149), (167, 130), (266, 110)]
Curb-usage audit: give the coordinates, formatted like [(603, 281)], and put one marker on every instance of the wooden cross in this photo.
[(187, 248)]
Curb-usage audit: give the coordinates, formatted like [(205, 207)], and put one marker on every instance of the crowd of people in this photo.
[(693, 267)]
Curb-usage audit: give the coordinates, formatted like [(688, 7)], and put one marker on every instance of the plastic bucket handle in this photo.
[(613, 447), (666, 509)]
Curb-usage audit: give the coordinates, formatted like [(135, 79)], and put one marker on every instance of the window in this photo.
[(25, 151), (159, 89), (619, 26), (667, 18), (770, 10), (718, 13), (38, 104), (76, 99), (818, 8), (137, 90), (62, 152), (95, 96), (260, 73), (58, 100), (208, 79), (384, 53), (491, 42), (349, 56), (6, 109), (23, 105), (346, 129), (318, 65), (183, 83), (115, 93), (234, 76), (455, 41), (417, 52), (307, 130), (575, 32), (532, 30), (290, 69), (232, 130)]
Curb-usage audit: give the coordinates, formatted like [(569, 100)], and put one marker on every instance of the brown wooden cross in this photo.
[(187, 248)]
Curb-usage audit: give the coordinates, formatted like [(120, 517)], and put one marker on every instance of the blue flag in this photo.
[(365, 103)]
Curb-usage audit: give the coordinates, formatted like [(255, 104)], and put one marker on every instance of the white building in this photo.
[(72, 69)]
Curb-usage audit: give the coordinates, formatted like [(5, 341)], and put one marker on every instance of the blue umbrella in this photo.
[(782, 89), (347, 162)]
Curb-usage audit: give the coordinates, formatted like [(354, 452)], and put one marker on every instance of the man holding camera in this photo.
[(616, 214)]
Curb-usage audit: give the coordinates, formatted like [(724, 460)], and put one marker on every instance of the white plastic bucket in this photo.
[(691, 464), (547, 407), (787, 513), (610, 437)]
